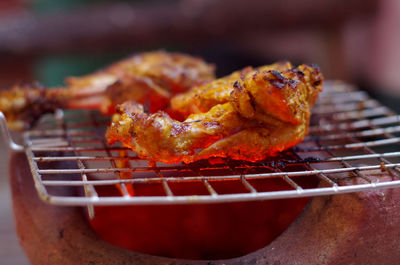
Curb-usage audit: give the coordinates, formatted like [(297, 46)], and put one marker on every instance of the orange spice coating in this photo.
[(248, 115), (150, 78)]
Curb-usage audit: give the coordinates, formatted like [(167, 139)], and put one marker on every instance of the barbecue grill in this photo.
[(350, 136), (349, 133)]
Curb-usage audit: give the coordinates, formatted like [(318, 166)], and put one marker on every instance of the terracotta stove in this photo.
[(214, 212)]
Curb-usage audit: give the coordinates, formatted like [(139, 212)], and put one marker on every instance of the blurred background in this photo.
[(46, 40)]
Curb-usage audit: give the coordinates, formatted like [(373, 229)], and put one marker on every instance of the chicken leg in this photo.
[(150, 78)]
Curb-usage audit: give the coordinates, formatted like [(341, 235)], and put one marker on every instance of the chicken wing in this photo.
[(150, 78), (249, 115)]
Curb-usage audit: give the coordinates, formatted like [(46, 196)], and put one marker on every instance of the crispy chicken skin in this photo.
[(204, 97), (155, 77), (248, 115), (150, 78)]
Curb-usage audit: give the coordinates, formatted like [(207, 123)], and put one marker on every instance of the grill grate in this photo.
[(353, 145)]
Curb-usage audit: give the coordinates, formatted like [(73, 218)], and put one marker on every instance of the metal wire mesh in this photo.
[(353, 145)]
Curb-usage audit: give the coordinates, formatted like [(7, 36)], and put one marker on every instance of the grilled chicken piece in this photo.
[(263, 112), (149, 78), (204, 97)]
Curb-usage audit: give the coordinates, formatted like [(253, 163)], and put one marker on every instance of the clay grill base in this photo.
[(356, 228)]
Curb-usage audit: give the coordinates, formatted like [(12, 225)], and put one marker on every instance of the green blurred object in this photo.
[(51, 71), (43, 6), (47, 6)]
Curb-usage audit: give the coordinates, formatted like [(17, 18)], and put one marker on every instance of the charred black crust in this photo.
[(298, 72), (237, 85), (293, 83), (253, 100), (277, 80), (317, 82), (278, 75), (315, 66)]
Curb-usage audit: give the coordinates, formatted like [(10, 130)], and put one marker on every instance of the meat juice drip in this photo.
[(197, 231)]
